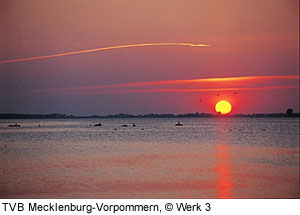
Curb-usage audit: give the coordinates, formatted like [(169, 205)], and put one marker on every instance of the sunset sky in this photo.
[(252, 59)]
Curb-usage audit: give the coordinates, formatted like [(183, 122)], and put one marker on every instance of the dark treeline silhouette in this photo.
[(289, 113), (32, 116)]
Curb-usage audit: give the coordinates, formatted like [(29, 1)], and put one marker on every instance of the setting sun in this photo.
[(223, 107)]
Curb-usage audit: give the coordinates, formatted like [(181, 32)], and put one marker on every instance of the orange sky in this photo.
[(247, 38)]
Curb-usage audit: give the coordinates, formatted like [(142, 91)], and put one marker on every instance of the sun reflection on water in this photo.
[(223, 161), (223, 172)]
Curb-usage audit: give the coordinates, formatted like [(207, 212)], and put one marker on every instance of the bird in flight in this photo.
[(235, 93)]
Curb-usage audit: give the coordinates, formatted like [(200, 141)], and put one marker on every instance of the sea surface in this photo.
[(204, 158)]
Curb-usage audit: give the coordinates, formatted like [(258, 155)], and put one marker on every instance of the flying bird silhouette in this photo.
[(235, 93)]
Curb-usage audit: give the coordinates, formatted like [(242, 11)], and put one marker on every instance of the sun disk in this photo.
[(223, 107)]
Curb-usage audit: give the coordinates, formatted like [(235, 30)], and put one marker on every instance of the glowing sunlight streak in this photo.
[(103, 49)]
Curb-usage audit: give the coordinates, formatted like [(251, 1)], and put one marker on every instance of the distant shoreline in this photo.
[(152, 115)]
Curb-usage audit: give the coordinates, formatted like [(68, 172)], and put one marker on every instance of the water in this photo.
[(205, 158)]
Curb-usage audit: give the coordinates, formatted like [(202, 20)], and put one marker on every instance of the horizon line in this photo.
[(146, 114)]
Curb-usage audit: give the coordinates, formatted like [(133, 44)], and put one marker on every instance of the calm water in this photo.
[(205, 158)]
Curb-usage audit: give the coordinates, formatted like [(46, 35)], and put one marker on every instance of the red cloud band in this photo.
[(187, 85)]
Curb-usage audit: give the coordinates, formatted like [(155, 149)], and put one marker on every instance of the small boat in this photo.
[(178, 124), (98, 124), (14, 125), (125, 125)]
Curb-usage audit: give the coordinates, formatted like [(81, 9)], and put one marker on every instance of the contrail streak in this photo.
[(102, 49)]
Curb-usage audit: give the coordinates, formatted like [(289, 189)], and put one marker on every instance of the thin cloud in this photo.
[(229, 82), (101, 49), (179, 90)]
